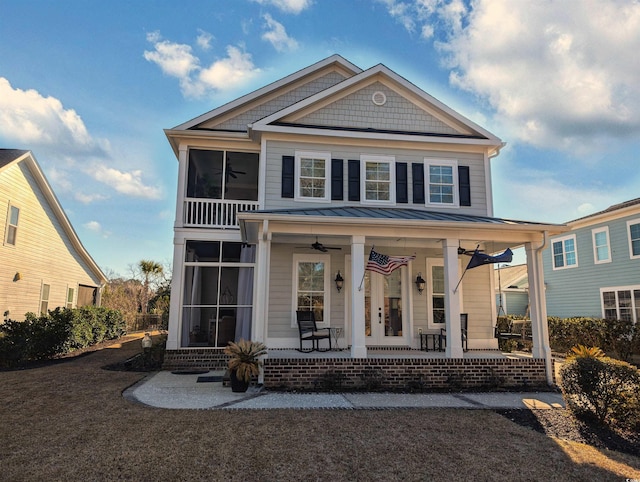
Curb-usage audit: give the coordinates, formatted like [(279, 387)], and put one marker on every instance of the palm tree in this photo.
[(150, 269)]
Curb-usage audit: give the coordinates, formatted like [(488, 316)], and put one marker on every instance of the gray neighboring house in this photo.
[(512, 290), (594, 269)]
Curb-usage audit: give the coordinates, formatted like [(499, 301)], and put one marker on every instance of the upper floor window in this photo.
[(313, 171), (222, 175), (601, 250), (12, 225), (378, 179), (634, 238), (564, 253), (442, 183)]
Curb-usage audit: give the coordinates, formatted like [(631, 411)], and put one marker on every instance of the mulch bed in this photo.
[(561, 423)]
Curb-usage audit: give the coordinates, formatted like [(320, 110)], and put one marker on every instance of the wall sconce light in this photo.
[(17, 277), (339, 281), (420, 283)]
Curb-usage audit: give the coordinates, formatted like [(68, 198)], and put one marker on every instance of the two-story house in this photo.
[(594, 269), (288, 189), (43, 264)]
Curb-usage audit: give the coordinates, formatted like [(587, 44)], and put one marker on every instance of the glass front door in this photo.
[(384, 324)]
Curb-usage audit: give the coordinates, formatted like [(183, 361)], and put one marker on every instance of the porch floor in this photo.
[(393, 354)]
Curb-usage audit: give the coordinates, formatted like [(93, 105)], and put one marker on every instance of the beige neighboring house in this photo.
[(43, 263)]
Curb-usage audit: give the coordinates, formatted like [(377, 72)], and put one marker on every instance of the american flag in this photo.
[(383, 264)]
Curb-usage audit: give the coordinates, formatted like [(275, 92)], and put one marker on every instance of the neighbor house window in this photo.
[(12, 225), (70, 295), (313, 172), (442, 183), (312, 283), (634, 238), (564, 253), (378, 179), (44, 298), (621, 303), (601, 250)]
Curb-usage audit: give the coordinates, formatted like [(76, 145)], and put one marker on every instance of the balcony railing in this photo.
[(215, 213)]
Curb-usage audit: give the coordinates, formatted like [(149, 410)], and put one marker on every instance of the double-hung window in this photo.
[(44, 298), (378, 179), (312, 285), (621, 303), (442, 187), (634, 238), (564, 252), (313, 171), (601, 249), (12, 225)]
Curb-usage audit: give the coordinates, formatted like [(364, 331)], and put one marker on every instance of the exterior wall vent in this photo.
[(379, 98)]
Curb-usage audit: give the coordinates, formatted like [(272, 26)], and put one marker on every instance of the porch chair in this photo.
[(464, 317), (310, 332)]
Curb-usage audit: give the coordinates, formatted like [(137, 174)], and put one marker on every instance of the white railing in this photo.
[(214, 213)]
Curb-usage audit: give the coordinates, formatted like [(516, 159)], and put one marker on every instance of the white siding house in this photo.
[(43, 263), (284, 188)]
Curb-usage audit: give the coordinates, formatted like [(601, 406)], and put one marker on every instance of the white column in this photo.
[(182, 184), (177, 288), (358, 346), (261, 286), (538, 308), (451, 299)]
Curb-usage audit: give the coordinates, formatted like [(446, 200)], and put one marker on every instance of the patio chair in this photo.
[(464, 317), (310, 332)]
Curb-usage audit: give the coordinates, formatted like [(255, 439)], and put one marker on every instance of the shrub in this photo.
[(602, 388)]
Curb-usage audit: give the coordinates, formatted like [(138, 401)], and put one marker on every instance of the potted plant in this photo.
[(244, 362)]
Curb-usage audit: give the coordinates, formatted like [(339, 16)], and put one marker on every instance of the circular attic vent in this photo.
[(379, 98)]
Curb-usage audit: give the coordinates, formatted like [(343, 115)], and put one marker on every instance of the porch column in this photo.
[(175, 318), (538, 307), (358, 346), (261, 286), (451, 299)]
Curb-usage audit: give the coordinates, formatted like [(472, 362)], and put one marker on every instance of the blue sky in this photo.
[(89, 86)]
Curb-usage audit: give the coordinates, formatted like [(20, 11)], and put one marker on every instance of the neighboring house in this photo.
[(512, 290), (283, 189), (594, 269), (43, 263)]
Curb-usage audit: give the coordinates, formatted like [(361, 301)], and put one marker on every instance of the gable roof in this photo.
[(461, 128), (512, 277), (614, 211), (10, 157)]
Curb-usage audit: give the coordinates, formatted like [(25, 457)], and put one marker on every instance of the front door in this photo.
[(384, 323)]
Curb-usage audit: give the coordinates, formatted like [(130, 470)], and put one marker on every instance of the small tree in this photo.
[(151, 271)]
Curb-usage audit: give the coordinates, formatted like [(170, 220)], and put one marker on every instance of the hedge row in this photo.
[(60, 331), (618, 338)]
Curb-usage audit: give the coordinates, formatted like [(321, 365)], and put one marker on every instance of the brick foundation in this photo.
[(402, 374), (209, 359)]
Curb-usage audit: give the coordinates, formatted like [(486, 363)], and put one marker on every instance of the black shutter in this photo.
[(402, 195), (464, 186), (337, 177), (417, 170), (288, 176), (354, 180)]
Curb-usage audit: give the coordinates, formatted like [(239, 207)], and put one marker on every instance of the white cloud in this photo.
[(129, 183), (96, 227), (88, 198), (204, 40), (558, 72), (30, 119), (288, 6), (177, 60), (277, 35)]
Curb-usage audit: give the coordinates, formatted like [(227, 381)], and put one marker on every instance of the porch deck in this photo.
[(394, 354)]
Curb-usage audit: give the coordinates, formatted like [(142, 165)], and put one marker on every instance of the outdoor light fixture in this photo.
[(339, 281), (420, 283)]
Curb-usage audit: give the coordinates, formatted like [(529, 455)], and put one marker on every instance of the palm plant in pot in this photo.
[(244, 362)]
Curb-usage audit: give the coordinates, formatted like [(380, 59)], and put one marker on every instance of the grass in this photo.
[(68, 421)]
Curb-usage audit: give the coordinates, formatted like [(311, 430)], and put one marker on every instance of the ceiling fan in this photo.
[(318, 246)]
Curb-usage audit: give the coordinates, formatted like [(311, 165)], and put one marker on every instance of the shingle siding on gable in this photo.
[(277, 149), (241, 121), (576, 291), (357, 110)]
